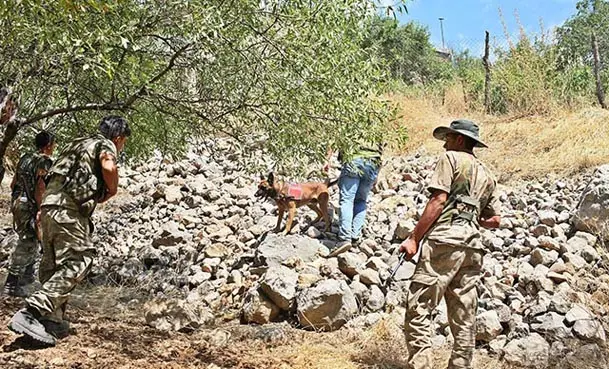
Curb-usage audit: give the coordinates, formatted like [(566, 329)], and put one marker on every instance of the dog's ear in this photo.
[(262, 178), (271, 178)]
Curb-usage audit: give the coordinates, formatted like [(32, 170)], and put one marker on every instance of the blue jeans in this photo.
[(356, 180)]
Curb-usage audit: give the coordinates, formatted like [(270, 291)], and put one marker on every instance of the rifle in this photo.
[(401, 260)]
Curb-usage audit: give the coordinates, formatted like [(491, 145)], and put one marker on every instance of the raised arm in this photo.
[(109, 174)]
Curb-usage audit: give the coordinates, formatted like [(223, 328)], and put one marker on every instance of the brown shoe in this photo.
[(341, 246)]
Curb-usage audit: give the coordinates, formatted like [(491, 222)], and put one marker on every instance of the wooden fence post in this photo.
[(600, 94), (487, 75)]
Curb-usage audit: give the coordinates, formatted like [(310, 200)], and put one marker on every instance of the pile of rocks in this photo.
[(193, 228)]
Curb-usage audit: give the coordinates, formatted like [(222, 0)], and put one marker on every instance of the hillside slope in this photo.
[(519, 147)]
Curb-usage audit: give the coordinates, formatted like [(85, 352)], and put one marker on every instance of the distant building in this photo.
[(445, 54)]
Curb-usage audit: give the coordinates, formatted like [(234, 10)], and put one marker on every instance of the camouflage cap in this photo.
[(462, 127), (113, 126)]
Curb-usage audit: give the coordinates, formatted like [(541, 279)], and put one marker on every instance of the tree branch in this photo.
[(120, 62), (154, 79), (70, 109), (108, 106)]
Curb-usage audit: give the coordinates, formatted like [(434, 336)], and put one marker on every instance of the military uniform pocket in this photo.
[(424, 273), (62, 216)]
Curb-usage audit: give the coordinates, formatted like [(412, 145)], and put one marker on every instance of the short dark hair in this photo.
[(112, 126), (469, 142), (44, 138)]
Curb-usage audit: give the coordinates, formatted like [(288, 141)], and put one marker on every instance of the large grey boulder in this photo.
[(176, 315), (369, 277), (589, 356), (543, 257), (257, 308), (403, 229), (376, 300), (361, 292), (173, 194), (592, 214), (277, 248), (169, 235), (551, 326), (326, 306), (488, 326), (585, 325), (279, 284), (590, 330), (577, 312), (529, 352), (349, 263)]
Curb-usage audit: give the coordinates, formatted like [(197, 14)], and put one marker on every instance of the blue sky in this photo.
[(466, 20)]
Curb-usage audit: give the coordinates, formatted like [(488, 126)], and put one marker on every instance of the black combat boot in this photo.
[(12, 287), (57, 330), (28, 276)]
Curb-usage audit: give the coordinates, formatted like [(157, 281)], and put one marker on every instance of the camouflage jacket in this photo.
[(30, 168), (76, 180)]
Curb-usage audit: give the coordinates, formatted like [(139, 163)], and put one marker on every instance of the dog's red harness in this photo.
[(294, 191)]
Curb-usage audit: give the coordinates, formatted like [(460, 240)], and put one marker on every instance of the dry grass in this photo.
[(560, 143), (379, 347)]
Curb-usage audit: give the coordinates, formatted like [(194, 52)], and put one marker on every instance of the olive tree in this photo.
[(291, 73)]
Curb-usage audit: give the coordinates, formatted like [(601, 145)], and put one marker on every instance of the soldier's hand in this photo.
[(409, 247)]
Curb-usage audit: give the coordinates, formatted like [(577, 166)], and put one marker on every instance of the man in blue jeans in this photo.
[(357, 177)]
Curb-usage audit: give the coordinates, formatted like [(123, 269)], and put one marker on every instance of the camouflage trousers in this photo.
[(453, 273), (26, 250), (66, 259)]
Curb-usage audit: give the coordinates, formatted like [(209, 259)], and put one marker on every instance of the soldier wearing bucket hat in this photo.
[(463, 198), (462, 127)]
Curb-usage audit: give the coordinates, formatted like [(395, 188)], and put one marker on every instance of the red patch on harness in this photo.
[(295, 191)]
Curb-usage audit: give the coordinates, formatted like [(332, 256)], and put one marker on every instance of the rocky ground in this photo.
[(108, 332), (194, 244)]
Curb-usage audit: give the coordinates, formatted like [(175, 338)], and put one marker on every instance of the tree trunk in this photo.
[(9, 135), (487, 75), (600, 94)]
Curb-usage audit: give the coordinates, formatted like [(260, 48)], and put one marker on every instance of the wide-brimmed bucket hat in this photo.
[(462, 127)]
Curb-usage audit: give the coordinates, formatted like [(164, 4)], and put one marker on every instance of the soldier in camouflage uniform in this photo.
[(464, 197), (27, 189), (84, 175)]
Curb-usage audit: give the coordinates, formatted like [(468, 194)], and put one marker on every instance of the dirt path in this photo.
[(108, 332), (116, 338)]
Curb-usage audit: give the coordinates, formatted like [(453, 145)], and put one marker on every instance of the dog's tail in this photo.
[(331, 183)]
